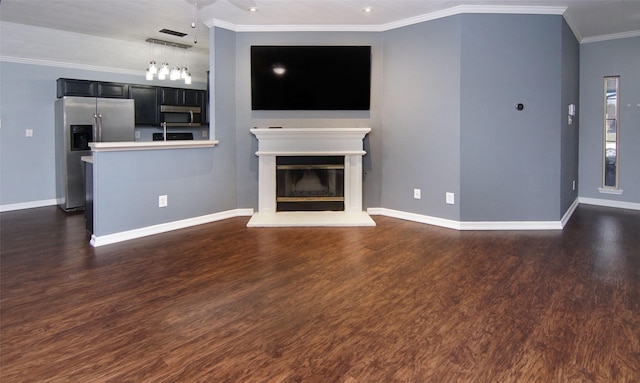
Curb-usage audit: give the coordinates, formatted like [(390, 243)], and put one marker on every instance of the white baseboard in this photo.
[(414, 217), (609, 203), (512, 225), (567, 215), (28, 205), (472, 225), (165, 227)]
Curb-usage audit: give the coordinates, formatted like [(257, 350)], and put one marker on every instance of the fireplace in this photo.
[(310, 177), (310, 183)]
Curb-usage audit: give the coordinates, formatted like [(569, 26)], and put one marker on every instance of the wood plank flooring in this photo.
[(400, 302)]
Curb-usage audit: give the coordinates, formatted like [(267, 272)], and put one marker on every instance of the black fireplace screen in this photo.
[(310, 183)]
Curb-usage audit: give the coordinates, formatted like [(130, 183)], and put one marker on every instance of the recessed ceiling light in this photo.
[(253, 9), (367, 9)]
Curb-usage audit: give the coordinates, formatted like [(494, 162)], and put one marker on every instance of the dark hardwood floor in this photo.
[(400, 302)]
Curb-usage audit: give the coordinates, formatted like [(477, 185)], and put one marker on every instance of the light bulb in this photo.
[(183, 72), (162, 75), (175, 74), (165, 68), (149, 75), (153, 68), (187, 79)]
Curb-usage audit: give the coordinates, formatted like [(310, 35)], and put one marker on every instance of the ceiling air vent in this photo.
[(173, 33)]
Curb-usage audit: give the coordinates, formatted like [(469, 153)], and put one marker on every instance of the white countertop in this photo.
[(150, 145)]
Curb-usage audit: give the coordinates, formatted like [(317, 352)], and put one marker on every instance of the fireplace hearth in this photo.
[(310, 177)]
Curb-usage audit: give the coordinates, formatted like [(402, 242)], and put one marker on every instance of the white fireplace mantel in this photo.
[(347, 142)]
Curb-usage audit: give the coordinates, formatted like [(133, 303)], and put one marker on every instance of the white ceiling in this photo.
[(136, 20), (109, 35)]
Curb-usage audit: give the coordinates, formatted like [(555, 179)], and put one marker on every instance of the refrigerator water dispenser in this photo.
[(81, 136)]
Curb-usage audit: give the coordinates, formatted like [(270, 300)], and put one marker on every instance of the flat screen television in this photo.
[(310, 77)]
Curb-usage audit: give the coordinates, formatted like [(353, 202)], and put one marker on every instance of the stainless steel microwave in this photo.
[(179, 115)]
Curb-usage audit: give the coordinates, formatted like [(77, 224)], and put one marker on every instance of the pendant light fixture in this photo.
[(165, 71), (177, 72), (152, 69)]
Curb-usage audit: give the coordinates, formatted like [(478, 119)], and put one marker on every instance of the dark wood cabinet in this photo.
[(190, 97), (178, 96), (170, 96), (146, 104), (202, 102), (87, 88), (112, 90), (82, 88)]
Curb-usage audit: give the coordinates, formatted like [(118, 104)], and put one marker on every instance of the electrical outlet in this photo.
[(163, 201), (29, 133), (137, 134), (450, 198), (416, 193), (205, 133)]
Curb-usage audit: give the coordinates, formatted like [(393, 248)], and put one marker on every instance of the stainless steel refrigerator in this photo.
[(79, 121)]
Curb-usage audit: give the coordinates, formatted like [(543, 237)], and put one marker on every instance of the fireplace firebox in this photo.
[(310, 183)]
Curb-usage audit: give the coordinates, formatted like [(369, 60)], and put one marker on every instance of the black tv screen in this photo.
[(310, 77)]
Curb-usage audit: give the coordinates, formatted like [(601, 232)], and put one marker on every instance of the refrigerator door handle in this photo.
[(99, 127), (95, 128), (191, 114)]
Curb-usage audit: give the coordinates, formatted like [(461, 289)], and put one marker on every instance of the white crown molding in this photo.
[(613, 36), (220, 24), (71, 65), (291, 27), (476, 9), (573, 27), (457, 10)]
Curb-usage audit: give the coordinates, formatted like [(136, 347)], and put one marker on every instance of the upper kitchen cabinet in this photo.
[(178, 96), (113, 90), (146, 104), (190, 97), (87, 88), (84, 88), (169, 96), (202, 102)]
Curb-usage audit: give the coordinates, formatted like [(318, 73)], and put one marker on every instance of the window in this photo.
[(611, 146)]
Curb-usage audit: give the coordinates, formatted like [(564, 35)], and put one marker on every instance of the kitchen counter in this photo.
[(150, 145)]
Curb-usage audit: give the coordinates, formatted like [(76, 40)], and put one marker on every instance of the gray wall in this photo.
[(421, 118), (225, 190), (27, 171), (510, 159), (569, 137), (610, 58), (246, 143), (130, 183)]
